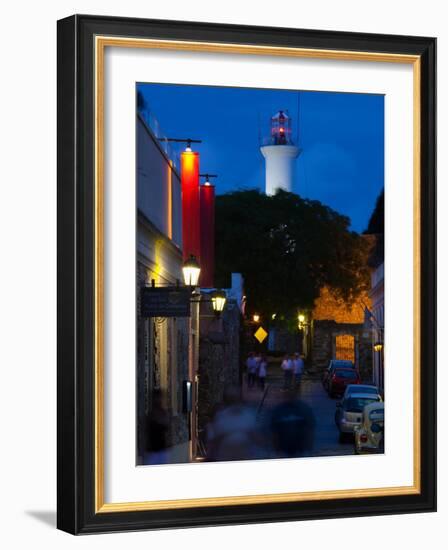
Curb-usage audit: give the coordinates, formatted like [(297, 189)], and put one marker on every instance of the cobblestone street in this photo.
[(311, 392)]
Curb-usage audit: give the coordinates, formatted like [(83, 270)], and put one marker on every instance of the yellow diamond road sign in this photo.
[(261, 334)]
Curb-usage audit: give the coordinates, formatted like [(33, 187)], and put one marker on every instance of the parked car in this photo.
[(361, 388), (369, 436), (349, 412), (340, 379), (334, 364)]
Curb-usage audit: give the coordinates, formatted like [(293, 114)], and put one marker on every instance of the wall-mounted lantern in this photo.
[(378, 346), (191, 270), (219, 299)]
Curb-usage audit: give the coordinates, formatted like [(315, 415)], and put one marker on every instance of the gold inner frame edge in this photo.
[(101, 42)]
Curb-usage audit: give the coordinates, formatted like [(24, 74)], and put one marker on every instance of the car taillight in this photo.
[(363, 438)]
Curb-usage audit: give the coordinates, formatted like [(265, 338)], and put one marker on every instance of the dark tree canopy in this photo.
[(376, 221), (141, 102), (376, 227), (286, 248)]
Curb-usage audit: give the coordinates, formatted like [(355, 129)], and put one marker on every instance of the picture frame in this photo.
[(82, 41)]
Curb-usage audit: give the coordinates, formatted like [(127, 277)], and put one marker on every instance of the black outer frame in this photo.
[(75, 403)]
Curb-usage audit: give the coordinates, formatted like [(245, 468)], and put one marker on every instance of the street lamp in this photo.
[(191, 270), (207, 178), (219, 299), (303, 324), (378, 346), (302, 321), (256, 318)]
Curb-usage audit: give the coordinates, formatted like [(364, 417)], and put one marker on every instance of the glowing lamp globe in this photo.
[(191, 271), (219, 299), (378, 346)]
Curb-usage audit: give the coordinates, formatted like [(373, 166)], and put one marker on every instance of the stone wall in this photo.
[(331, 307), (219, 358), (323, 346)]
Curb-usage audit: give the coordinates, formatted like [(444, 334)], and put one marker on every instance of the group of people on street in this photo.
[(293, 367), (257, 370)]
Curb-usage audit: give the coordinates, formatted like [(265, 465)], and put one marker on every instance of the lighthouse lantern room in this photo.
[(281, 129)]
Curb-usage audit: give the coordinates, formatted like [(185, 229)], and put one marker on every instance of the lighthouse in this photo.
[(280, 154)]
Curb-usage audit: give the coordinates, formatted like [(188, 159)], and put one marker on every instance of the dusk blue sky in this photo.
[(341, 137)]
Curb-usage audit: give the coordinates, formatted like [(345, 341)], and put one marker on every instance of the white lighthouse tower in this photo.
[(280, 154)]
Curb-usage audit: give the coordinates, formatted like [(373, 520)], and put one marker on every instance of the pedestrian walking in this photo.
[(262, 371), (287, 372), (252, 366), (258, 357), (233, 432), (293, 428), (157, 431), (298, 368)]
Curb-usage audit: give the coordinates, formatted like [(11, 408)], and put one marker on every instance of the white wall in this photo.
[(158, 186), (28, 273)]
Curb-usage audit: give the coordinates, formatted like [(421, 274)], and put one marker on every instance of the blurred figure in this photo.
[(287, 372), (252, 366), (233, 433), (298, 367), (292, 427), (258, 357), (158, 425), (262, 371)]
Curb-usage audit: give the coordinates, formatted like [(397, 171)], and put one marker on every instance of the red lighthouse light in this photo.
[(281, 129)]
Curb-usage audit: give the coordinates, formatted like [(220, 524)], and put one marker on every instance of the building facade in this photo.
[(339, 331), (377, 324), (162, 343)]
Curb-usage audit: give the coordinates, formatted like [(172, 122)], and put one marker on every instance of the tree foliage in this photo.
[(287, 248), (376, 228), (376, 221), (141, 102)]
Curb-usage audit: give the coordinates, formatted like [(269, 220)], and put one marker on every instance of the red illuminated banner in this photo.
[(207, 194), (191, 239)]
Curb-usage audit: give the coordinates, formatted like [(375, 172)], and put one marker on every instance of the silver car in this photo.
[(349, 412), (361, 388)]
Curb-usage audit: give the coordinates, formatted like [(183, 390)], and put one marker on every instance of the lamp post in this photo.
[(378, 346), (303, 325), (191, 271)]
